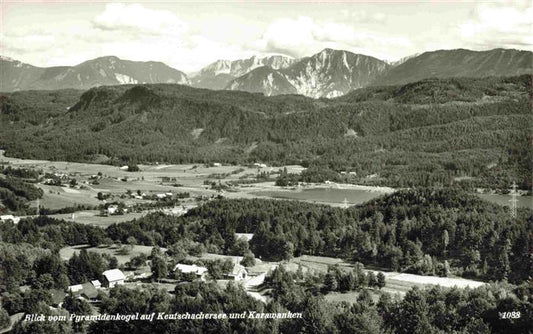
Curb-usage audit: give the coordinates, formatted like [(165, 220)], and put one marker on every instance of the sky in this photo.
[(190, 35)]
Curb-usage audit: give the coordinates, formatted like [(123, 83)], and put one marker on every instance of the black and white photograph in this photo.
[(266, 167)]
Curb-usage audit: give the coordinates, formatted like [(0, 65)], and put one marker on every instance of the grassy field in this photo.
[(60, 197), (396, 283), (92, 217), (67, 252), (149, 180)]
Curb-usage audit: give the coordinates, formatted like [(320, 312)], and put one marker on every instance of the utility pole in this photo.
[(513, 201), (345, 204)]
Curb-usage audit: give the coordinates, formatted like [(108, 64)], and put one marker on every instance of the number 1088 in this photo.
[(510, 315)]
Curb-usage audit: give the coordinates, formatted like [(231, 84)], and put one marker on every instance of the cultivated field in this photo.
[(153, 179)]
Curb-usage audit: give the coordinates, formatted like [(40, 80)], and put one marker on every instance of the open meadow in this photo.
[(396, 283), (114, 250)]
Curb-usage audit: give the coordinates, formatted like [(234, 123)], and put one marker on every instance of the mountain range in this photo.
[(459, 63), (96, 72), (329, 73), (218, 74)]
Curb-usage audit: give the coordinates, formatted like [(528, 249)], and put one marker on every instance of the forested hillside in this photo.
[(424, 133), (426, 231)]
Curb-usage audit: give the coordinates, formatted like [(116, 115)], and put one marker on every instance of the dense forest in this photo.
[(16, 189), (423, 231), (426, 231), (433, 310), (430, 310), (435, 131)]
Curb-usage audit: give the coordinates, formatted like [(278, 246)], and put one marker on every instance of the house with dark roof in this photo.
[(89, 291), (58, 296)]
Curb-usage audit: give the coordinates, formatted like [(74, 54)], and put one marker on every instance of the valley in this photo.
[(239, 182), (230, 214), (266, 167)]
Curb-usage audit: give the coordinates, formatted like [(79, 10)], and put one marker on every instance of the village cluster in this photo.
[(248, 278)]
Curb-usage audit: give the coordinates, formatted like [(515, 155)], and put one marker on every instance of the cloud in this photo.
[(136, 18), (498, 25), (303, 36), (362, 16), (27, 43)]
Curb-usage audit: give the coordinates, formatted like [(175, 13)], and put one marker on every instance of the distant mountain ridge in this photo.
[(264, 80), (459, 63), (217, 75), (329, 73), (101, 71)]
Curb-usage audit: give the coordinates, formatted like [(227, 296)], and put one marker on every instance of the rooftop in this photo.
[(114, 275), (89, 290), (185, 268)]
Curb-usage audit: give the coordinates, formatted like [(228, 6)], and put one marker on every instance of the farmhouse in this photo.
[(113, 277), (75, 289), (200, 272), (112, 209), (6, 218), (244, 236), (89, 291), (237, 273), (96, 284), (176, 211)]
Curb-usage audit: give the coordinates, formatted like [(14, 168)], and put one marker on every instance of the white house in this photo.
[(244, 236), (75, 288), (112, 209), (96, 284), (200, 272), (6, 218), (238, 273), (176, 211), (217, 164), (113, 277)]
